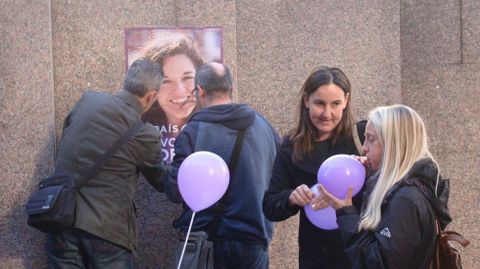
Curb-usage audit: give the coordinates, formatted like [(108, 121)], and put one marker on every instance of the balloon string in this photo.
[(186, 241)]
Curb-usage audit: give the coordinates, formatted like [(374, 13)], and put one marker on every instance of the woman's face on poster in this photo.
[(175, 95)]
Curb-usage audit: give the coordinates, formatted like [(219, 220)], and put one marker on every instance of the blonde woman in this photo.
[(396, 228)]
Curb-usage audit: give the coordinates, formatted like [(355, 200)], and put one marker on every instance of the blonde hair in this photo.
[(401, 132)]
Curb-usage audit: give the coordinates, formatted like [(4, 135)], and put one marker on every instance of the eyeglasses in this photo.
[(194, 91), (193, 95)]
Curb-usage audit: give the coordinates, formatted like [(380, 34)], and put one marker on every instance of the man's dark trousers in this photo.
[(75, 248)]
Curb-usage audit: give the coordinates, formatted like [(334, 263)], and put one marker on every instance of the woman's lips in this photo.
[(323, 121), (179, 101)]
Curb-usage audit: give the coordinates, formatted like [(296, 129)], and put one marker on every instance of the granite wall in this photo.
[(441, 80), (423, 53), (27, 124)]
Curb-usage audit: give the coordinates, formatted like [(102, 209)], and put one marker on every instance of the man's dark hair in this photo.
[(143, 76), (213, 81)]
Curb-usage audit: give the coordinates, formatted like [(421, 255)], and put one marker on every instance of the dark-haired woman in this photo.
[(324, 128)]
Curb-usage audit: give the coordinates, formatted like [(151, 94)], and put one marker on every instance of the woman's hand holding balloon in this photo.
[(327, 198), (301, 196), (343, 176), (318, 202)]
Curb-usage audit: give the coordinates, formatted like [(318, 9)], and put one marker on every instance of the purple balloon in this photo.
[(339, 172), (324, 218), (202, 179)]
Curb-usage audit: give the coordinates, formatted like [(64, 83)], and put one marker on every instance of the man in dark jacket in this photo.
[(104, 233), (243, 233)]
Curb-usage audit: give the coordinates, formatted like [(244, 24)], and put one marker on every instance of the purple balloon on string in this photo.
[(325, 219), (203, 178), (339, 172)]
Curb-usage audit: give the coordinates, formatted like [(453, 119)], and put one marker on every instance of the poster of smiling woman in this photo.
[(180, 52)]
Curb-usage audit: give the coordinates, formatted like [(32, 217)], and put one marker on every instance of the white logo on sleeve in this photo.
[(386, 232)]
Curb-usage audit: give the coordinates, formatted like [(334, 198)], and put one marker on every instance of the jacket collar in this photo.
[(131, 100)]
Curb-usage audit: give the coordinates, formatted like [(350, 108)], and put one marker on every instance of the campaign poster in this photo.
[(180, 51)]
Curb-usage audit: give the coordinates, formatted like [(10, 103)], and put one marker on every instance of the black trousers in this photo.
[(78, 249)]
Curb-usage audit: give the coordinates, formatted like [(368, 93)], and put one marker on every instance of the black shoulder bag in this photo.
[(51, 208)]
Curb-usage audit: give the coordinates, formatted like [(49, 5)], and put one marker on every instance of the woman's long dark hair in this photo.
[(304, 134)]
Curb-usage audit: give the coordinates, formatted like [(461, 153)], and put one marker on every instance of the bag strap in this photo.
[(357, 141), (451, 235), (446, 235), (102, 159), (454, 236), (232, 165)]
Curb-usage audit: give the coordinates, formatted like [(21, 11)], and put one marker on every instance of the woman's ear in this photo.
[(305, 101), (347, 99)]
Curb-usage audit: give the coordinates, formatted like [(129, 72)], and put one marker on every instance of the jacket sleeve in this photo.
[(184, 146), (394, 241), (275, 200), (155, 174), (153, 168)]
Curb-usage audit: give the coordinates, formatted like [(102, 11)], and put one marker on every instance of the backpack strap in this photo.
[(451, 235), (454, 236), (232, 165)]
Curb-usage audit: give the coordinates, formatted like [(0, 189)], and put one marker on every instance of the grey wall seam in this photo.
[(236, 92), (52, 79), (175, 12), (461, 31)]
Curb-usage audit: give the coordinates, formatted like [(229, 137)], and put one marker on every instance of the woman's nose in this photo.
[(327, 111), (365, 149), (182, 88)]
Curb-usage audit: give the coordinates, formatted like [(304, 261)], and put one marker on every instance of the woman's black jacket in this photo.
[(405, 236)]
